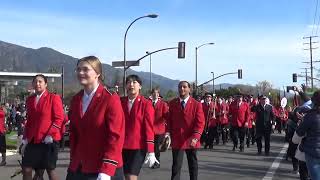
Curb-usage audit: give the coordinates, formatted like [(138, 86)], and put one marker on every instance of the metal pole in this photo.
[(196, 80), (311, 63), (213, 89)]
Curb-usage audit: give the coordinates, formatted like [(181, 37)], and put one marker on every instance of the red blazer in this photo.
[(161, 110), (2, 123), (185, 124), (139, 133), (96, 137), (205, 108), (239, 115), (222, 113), (43, 119)]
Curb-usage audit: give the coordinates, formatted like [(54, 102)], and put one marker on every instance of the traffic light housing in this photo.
[(239, 73), (294, 77), (181, 50)]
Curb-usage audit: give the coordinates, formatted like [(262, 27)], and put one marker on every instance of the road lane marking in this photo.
[(276, 163)]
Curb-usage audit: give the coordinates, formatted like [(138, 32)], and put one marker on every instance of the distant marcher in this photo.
[(3, 146)]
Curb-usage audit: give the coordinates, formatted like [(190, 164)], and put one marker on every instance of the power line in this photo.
[(311, 57)]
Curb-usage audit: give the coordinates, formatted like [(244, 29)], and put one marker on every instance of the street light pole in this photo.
[(196, 79), (213, 89), (150, 71), (124, 48)]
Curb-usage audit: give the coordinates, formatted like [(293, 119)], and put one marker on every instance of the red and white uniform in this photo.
[(212, 122), (96, 137), (282, 114), (139, 133), (161, 110), (185, 124), (240, 114), (2, 123), (222, 113), (43, 118)]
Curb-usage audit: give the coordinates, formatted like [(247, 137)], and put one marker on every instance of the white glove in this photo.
[(48, 140), (23, 146), (167, 135), (103, 176), (150, 159)]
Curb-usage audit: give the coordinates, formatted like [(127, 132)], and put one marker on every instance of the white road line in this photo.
[(276, 163)]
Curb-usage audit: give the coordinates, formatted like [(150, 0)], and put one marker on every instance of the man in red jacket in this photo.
[(2, 137), (240, 113), (161, 111), (185, 125)]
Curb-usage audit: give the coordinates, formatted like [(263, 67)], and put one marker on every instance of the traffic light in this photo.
[(181, 50), (294, 77), (239, 73)]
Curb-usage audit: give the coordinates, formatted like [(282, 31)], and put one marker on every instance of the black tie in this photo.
[(154, 104), (182, 104)]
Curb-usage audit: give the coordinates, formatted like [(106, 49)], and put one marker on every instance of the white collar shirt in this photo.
[(130, 103), (38, 97), (86, 99)]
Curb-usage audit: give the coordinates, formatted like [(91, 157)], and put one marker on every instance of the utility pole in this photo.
[(311, 59), (305, 75)]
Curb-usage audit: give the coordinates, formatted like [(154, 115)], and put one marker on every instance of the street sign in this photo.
[(128, 63)]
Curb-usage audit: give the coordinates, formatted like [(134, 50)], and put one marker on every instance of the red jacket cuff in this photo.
[(108, 168)]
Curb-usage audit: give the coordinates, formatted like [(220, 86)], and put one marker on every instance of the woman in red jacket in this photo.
[(3, 146), (139, 134), (96, 127), (39, 148)]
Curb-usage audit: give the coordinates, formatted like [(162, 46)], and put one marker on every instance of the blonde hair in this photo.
[(95, 64)]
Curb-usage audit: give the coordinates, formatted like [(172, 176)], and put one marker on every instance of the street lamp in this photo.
[(150, 71), (124, 47), (196, 80)]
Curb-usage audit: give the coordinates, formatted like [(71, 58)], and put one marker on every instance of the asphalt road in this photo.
[(220, 163)]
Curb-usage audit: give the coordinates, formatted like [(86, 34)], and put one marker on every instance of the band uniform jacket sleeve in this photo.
[(185, 124), (160, 110), (44, 118), (97, 136), (139, 133)]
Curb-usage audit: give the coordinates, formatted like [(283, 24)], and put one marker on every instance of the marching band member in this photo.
[(96, 127), (209, 108), (3, 147), (223, 110), (185, 125), (161, 111), (39, 147), (239, 111), (139, 134)]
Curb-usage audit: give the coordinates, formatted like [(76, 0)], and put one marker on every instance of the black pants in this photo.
[(266, 135), (224, 133), (78, 175), (253, 134), (158, 138), (303, 171), (238, 133), (177, 156), (212, 134)]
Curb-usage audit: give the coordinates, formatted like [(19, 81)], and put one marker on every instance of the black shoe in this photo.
[(234, 148), (155, 166), (206, 147), (266, 154), (241, 149), (248, 145), (211, 147)]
